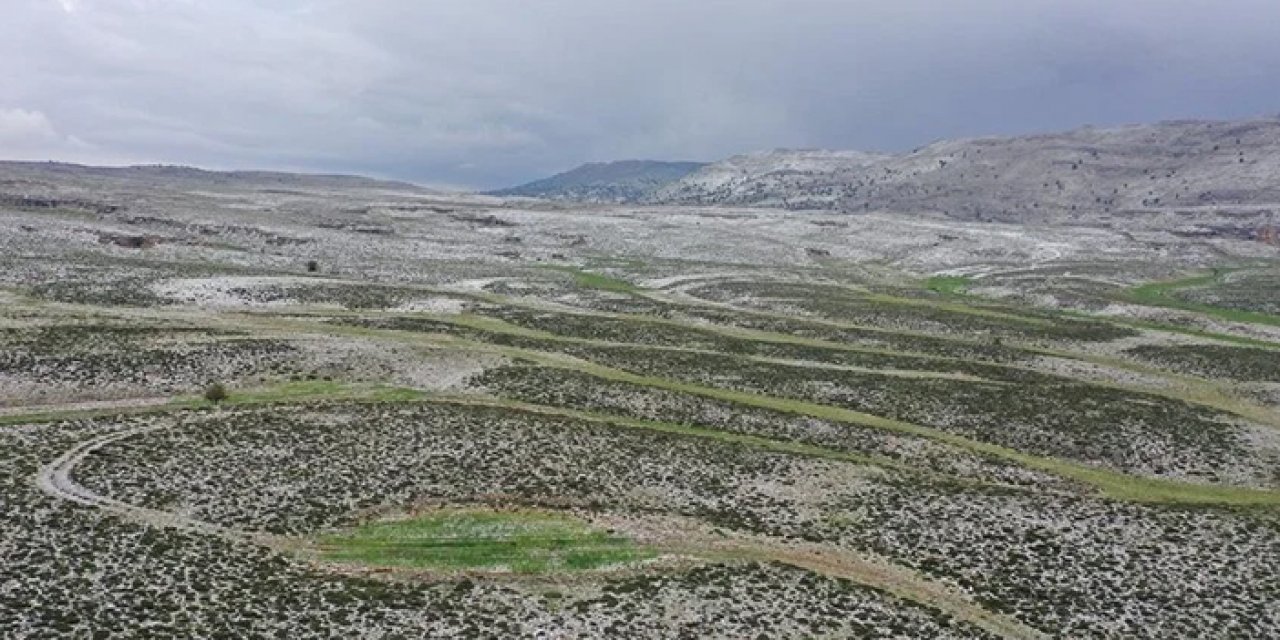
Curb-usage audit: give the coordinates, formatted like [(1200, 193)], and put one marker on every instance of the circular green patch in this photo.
[(525, 541)]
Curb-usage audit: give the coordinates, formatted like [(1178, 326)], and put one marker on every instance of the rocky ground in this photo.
[(812, 424)]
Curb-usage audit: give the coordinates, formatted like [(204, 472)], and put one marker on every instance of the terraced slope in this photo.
[(593, 446)]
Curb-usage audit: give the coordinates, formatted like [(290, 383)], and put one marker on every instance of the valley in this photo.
[(468, 415)]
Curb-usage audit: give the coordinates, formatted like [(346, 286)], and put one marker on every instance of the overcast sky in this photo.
[(486, 93)]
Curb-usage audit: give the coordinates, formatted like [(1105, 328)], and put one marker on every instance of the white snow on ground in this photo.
[(1267, 393), (427, 370), (221, 292), (1092, 372), (435, 304), (476, 284), (218, 292), (669, 281)]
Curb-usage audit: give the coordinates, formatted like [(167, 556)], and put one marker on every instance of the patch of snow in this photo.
[(442, 305)]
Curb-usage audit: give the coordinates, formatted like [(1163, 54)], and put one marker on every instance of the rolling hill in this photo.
[(622, 181), (1085, 176)]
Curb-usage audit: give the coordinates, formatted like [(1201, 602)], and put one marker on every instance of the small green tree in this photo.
[(312, 266), (216, 392)]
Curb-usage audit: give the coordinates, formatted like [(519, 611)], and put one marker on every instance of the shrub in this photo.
[(216, 392), (312, 266)]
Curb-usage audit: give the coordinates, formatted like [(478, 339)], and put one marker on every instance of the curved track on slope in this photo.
[(55, 479)]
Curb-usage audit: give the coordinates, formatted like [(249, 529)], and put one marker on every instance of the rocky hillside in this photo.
[(778, 178), (1088, 176), (623, 181)]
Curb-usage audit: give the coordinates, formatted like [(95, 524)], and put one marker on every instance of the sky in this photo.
[(490, 93)]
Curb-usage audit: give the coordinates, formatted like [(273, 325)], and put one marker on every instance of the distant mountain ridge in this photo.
[(608, 182), (1088, 175), (1223, 175), (195, 176)]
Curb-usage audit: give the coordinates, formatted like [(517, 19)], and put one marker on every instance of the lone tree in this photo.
[(216, 392), (312, 266)]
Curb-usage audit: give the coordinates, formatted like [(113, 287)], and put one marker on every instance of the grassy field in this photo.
[(951, 285), (1163, 294), (592, 280), (523, 542)]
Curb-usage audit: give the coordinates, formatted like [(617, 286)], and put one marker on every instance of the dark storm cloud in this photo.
[(489, 92)]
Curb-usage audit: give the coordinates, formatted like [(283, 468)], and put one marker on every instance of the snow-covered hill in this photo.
[(1089, 175), (606, 182), (781, 177)]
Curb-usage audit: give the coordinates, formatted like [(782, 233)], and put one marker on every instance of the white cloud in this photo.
[(21, 126), (29, 135)]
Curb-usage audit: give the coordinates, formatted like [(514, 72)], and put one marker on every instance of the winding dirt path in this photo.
[(55, 479), (687, 536)]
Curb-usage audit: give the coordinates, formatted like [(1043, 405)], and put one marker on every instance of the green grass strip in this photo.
[(948, 285), (283, 393), (1161, 294), (519, 541), (1113, 484), (1165, 327), (591, 280), (789, 447)]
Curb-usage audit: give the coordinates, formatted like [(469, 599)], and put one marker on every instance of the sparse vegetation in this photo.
[(1245, 299), (754, 423), (216, 393)]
